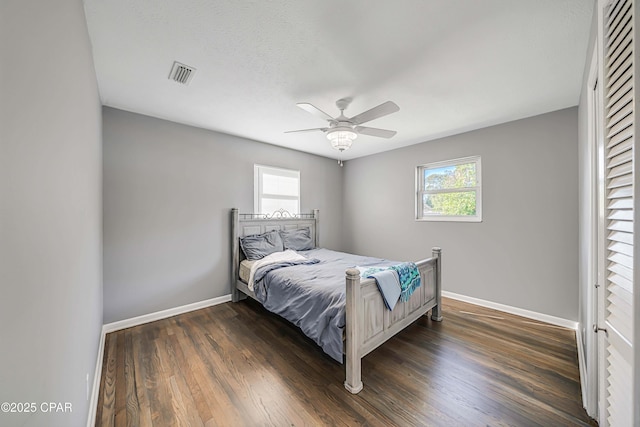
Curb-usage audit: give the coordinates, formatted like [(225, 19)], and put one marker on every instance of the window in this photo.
[(449, 191), (275, 189)]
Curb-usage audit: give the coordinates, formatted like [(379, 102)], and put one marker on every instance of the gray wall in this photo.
[(50, 210), (168, 191), (523, 254)]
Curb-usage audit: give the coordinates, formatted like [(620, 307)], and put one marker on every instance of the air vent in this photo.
[(181, 73)]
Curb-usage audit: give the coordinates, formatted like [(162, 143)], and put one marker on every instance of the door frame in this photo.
[(590, 394)]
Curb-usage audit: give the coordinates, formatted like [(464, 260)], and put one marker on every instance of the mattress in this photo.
[(245, 270)]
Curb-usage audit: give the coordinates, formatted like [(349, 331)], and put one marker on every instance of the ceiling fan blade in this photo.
[(376, 112), (308, 130), (382, 133), (314, 110)]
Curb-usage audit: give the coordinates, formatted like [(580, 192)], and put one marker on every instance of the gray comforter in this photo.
[(312, 296)]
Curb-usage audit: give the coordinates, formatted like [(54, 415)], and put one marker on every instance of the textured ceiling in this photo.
[(451, 66)]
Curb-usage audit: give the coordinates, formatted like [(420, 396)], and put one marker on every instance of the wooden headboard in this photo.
[(250, 223)]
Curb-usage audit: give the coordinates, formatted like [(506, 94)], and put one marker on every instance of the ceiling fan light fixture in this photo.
[(341, 139), (343, 130)]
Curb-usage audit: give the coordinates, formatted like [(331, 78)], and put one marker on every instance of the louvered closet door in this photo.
[(619, 135)]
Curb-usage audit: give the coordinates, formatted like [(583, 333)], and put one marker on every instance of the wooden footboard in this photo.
[(369, 323)]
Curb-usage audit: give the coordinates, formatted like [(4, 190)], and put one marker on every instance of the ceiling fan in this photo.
[(343, 130)]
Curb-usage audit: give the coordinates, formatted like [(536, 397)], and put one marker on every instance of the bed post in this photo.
[(235, 253), (436, 312), (316, 216), (353, 381)]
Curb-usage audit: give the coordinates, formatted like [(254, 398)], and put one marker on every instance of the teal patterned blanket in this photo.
[(408, 274)]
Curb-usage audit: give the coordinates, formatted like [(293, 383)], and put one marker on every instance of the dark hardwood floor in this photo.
[(238, 365)]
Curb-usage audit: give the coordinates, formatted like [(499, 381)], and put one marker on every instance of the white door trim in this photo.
[(590, 381), (601, 390)]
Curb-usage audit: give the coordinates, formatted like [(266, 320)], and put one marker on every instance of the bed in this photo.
[(356, 308)]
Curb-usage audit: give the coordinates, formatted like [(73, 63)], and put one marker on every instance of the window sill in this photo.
[(449, 219)]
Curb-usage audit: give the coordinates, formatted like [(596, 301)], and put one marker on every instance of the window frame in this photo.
[(258, 194), (420, 192)]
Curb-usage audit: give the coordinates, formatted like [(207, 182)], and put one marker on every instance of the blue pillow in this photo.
[(298, 239), (258, 246)]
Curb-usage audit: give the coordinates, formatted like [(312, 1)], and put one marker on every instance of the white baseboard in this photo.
[(557, 321), (93, 400), (163, 314), (135, 321)]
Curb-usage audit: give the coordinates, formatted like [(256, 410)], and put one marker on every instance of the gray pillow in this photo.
[(298, 239), (258, 246)]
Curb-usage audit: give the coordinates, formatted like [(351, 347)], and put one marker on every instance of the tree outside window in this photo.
[(449, 191)]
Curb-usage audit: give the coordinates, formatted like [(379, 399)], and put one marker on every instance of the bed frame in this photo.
[(368, 322)]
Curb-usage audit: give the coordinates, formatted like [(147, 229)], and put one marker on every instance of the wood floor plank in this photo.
[(139, 371), (156, 382), (181, 398), (190, 384), (237, 365), (131, 393), (120, 382)]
